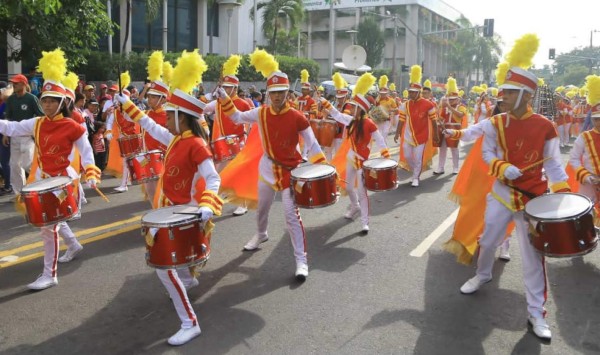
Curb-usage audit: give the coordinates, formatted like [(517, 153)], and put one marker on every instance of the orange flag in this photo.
[(340, 161)]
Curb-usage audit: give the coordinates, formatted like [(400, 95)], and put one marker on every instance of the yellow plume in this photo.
[(521, 55), (53, 65), (571, 94), (393, 87), (541, 82), (582, 91), (416, 74), (461, 93), (230, 67), (263, 62), (383, 81), (427, 84), (304, 76), (501, 70), (451, 86), (405, 93), (592, 82), (338, 81), (70, 81), (125, 80), (476, 89), (484, 86), (167, 72), (559, 89), (494, 92), (364, 83), (155, 65), (188, 72)]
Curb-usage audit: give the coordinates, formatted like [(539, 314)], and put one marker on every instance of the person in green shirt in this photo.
[(21, 105)]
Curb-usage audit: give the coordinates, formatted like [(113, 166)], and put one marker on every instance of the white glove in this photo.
[(208, 96), (205, 213), (120, 98), (108, 136), (220, 93), (590, 180), (512, 173), (91, 183), (449, 132)]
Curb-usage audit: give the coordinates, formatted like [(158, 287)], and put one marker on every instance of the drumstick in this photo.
[(101, 194), (534, 164)]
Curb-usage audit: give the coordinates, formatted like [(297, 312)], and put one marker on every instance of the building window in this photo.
[(212, 19)]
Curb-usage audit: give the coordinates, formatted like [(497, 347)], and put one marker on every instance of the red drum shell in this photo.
[(451, 142), (50, 201), (131, 145), (561, 225), (146, 166), (437, 135), (179, 239), (225, 148), (314, 185), (380, 174)]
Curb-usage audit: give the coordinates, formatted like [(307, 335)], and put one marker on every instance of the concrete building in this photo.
[(415, 20)]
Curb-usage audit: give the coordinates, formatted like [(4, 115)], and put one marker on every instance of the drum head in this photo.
[(558, 206), (168, 216), (380, 163), (47, 184), (312, 171)]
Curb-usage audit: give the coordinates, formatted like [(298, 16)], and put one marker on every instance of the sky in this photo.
[(560, 25)]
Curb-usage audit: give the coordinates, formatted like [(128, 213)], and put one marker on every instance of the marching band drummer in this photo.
[(55, 135), (280, 127), (360, 131), (584, 157), (452, 113), (187, 160)]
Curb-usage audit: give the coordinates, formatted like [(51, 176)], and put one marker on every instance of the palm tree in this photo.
[(275, 13)]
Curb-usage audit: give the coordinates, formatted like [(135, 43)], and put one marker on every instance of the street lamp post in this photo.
[(229, 6)]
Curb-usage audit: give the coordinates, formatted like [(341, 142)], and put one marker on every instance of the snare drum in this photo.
[(561, 225), (314, 185), (380, 174), (130, 145), (225, 148), (452, 142), (50, 201), (178, 240), (146, 166), (437, 135), (324, 130)]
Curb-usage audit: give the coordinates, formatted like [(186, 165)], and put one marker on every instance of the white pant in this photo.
[(125, 176), (384, 128), (150, 187), (175, 281), (358, 196), (442, 158), (497, 218), (21, 156), (266, 195), (414, 158), (51, 245), (563, 133)]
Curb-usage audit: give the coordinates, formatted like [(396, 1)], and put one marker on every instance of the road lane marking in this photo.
[(78, 234), (85, 241), (431, 238)]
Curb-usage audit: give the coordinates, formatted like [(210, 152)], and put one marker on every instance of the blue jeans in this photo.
[(5, 163)]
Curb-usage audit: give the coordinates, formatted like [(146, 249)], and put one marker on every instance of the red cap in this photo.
[(362, 102), (19, 78), (179, 100), (103, 86), (278, 81), (414, 87), (158, 88), (231, 80), (114, 87), (53, 89), (341, 93), (518, 78)]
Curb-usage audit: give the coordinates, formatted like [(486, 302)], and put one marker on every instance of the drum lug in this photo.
[(203, 249), (581, 244), (70, 210), (174, 257), (143, 230), (541, 227), (171, 235), (546, 246), (44, 217), (577, 225)]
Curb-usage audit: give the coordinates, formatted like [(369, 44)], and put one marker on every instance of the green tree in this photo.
[(275, 16), (41, 26), (370, 37)]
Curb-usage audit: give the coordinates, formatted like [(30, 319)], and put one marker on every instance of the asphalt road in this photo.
[(365, 293)]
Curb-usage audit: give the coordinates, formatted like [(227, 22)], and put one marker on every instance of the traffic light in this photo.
[(552, 53), (488, 27), (404, 68)]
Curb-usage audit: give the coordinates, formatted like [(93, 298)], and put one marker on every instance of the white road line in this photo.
[(431, 238)]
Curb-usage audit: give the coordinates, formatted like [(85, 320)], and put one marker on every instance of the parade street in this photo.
[(392, 291)]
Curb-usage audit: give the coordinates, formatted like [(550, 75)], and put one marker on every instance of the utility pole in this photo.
[(331, 37)]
